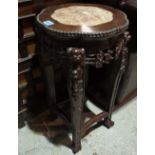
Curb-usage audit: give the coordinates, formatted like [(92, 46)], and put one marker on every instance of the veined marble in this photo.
[(82, 15)]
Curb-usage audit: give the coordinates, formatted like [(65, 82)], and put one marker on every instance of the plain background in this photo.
[(9, 77)]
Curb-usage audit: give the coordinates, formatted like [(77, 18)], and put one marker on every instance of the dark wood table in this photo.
[(80, 35)]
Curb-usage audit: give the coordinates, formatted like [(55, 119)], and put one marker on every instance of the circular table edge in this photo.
[(99, 35)]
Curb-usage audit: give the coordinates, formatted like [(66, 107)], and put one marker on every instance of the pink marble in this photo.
[(82, 15)]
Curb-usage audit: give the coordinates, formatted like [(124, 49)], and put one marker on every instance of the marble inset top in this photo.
[(82, 15)]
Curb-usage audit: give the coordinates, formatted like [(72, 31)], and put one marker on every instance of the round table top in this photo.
[(82, 20)]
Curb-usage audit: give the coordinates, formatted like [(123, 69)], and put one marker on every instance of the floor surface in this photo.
[(118, 140)]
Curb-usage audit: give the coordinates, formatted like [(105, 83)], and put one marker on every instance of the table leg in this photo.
[(77, 93), (108, 122), (20, 108), (46, 56), (50, 84)]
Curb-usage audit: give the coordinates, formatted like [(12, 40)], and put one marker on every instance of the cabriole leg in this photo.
[(108, 122), (120, 48)]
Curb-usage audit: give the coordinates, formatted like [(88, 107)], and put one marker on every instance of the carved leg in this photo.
[(120, 48), (77, 95), (107, 122)]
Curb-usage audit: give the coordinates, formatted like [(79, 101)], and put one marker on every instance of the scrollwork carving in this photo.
[(77, 57), (124, 51), (124, 59), (103, 57), (99, 59), (76, 54), (121, 44)]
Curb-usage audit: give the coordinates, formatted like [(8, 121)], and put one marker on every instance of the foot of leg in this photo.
[(76, 149), (108, 123)]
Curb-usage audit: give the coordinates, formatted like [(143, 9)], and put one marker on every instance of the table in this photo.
[(80, 35)]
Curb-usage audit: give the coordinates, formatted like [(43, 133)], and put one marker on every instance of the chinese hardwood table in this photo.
[(82, 35)]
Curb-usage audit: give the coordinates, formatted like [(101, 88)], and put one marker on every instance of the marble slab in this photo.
[(82, 15)]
